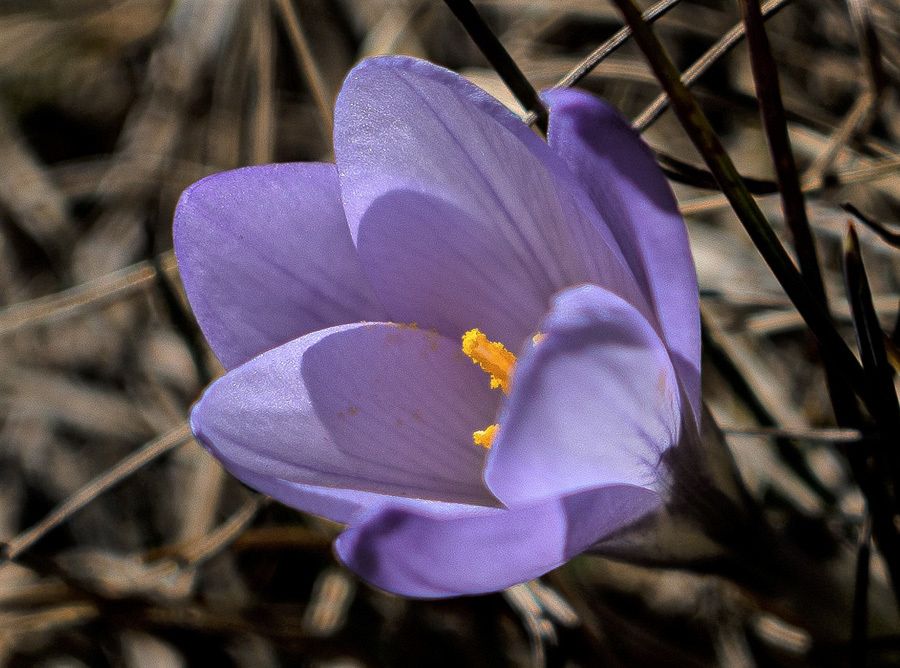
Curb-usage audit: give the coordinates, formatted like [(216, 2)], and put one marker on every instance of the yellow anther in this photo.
[(537, 338), (485, 437), (491, 356), (495, 359)]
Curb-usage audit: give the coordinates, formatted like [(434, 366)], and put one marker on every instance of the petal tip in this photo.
[(195, 423)]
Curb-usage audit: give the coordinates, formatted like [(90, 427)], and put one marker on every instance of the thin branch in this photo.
[(879, 466), (85, 297), (859, 117), (810, 435), (869, 45), (99, 485), (655, 109), (764, 238), (859, 634), (793, 204), (891, 237), (874, 171), (48, 620), (278, 538), (188, 555), (781, 319), (685, 172), (500, 60), (602, 52), (871, 339), (262, 108), (768, 91), (308, 65), (223, 535)]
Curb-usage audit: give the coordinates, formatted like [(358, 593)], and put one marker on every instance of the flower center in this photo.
[(496, 360)]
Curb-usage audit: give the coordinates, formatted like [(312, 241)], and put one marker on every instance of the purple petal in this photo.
[(333, 503), (440, 551), (265, 257), (461, 215), (337, 504), (635, 200), (374, 407), (595, 403)]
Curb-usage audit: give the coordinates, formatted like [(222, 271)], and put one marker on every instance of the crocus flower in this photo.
[(340, 299)]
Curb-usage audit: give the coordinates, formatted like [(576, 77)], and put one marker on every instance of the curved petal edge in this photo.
[(596, 402), (633, 196), (265, 256)]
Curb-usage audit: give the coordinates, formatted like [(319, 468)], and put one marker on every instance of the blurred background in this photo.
[(127, 545)]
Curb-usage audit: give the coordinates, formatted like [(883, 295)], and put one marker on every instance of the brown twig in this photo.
[(83, 298), (602, 52), (767, 243), (102, 483), (728, 41), (308, 65)]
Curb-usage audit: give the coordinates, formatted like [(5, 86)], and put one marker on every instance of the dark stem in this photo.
[(500, 60), (877, 465), (763, 236), (603, 51), (860, 629), (685, 172), (768, 91), (727, 42), (889, 236), (767, 243), (871, 340)]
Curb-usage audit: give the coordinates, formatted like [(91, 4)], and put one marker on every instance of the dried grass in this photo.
[(126, 544)]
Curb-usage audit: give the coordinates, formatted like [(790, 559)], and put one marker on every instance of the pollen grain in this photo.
[(485, 437), (491, 356)]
